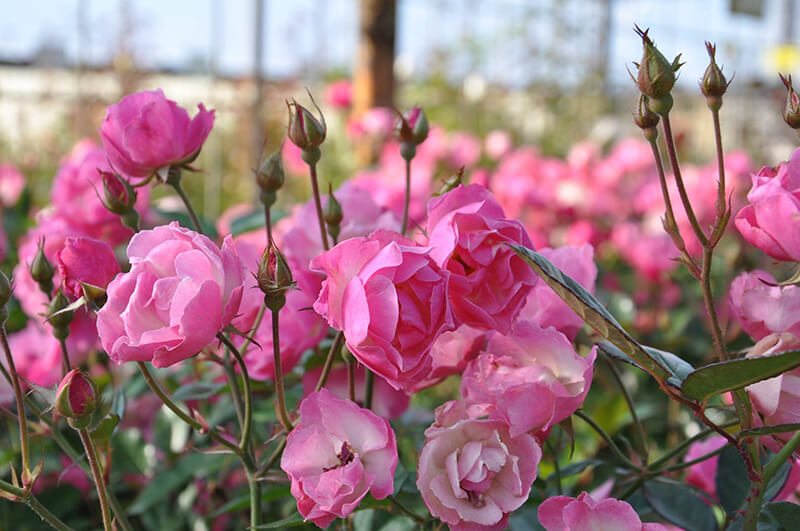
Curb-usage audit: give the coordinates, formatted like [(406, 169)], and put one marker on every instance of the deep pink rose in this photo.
[(390, 299), (771, 221), (88, 261), (649, 250), (544, 307), (465, 150), (76, 192), (562, 513), (180, 291), (12, 183), (339, 94), (531, 378), (387, 401), (301, 328), (145, 133), (335, 455), (468, 233), (762, 309), (472, 473)]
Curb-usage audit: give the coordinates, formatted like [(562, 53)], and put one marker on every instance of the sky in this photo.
[(494, 37)]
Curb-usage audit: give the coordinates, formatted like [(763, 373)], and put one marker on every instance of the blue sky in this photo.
[(299, 33)]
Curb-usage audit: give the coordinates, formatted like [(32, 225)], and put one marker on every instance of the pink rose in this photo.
[(300, 327), (497, 144), (531, 378), (12, 184), (762, 309), (339, 94), (87, 261), (390, 300), (703, 475), (76, 192), (145, 133), (544, 307), (562, 513), (335, 455), (468, 233), (180, 291), (451, 352), (647, 248), (465, 150), (387, 401), (37, 353), (771, 221), (472, 473)]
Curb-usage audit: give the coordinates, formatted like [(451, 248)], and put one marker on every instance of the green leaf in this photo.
[(162, 485), (678, 368), (591, 311), (105, 429), (767, 430), (293, 520), (679, 504), (731, 479), (725, 376), (243, 502), (254, 220), (197, 391), (779, 516), (778, 481)]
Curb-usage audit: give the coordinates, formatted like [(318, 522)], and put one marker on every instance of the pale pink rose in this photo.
[(531, 378), (544, 307), (87, 261), (145, 132), (468, 235), (703, 475), (180, 292), (339, 94), (293, 159), (451, 352), (12, 184), (761, 309), (562, 513), (497, 144), (387, 401), (650, 251), (300, 327), (76, 192), (465, 150), (777, 399), (472, 473), (377, 122), (336, 454), (390, 299), (771, 221), (37, 353)]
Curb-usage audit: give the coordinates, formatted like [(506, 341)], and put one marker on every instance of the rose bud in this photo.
[(76, 399), (42, 270), (270, 177), (58, 319), (791, 113), (120, 198), (656, 74), (333, 214), (713, 85), (646, 119), (411, 130), (305, 131), (86, 261), (274, 278)]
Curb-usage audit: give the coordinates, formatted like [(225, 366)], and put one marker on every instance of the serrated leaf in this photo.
[(731, 480), (678, 368), (197, 391), (293, 520), (590, 310), (721, 377), (679, 504)]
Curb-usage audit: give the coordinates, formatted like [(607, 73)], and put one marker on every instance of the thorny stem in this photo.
[(312, 169), (30, 500), (676, 171), (407, 200), (23, 423), (283, 415), (97, 473), (248, 391), (326, 369), (722, 203), (708, 297)]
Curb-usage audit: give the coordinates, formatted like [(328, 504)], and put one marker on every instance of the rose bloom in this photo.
[(387, 401), (531, 378), (468, 233), (762, 309), (451, 352), (145, 133), (180, 291), (472, 473), (300, 328), (335, 455), (771, 221), (562, 513), (544, 307), (390, 299), (88, 261), (12, 184)]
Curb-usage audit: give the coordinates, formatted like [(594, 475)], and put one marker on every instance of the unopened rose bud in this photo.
[(274, 278), (76, 399), (59, 319), (305, 131), (713, 85), (656, 75), (413, 127), (646, 119), (119, 195), (332, 213), (270, 177), (42, 270), (791, 112)]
